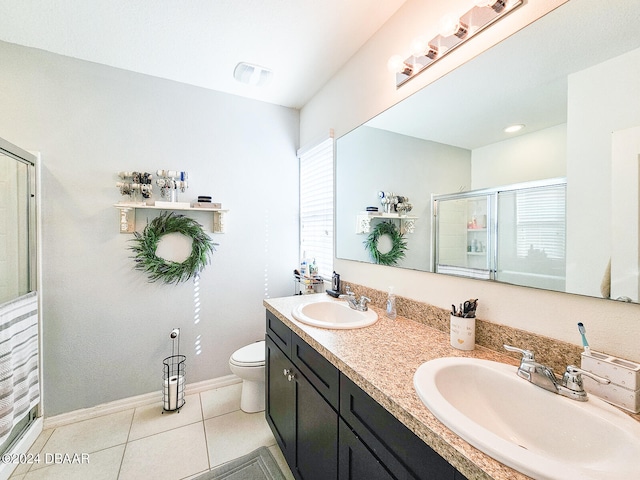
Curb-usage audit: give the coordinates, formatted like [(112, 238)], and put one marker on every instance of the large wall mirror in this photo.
[(572, 78)]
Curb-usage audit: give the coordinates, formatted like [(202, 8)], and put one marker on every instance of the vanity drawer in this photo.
[(318, 370), (398, 448), (279, 333)]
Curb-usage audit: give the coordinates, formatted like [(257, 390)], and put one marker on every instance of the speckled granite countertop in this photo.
[(382, 359)]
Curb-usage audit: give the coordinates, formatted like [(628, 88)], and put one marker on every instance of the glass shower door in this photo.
[(15, 231), (462, 229)]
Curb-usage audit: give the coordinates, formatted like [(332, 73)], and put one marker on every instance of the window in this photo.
[(316, 204), (541, 222)]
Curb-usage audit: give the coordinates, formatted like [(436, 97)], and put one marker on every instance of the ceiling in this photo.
[(199, 42)]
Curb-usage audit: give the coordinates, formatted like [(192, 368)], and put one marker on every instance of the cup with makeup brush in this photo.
[(463, 325)]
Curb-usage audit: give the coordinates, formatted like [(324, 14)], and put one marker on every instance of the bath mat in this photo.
[(257, 465)]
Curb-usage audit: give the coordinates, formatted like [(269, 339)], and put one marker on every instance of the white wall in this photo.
[(625, 217), (364, 88), (106, 330), (534, 156), (595, 116)]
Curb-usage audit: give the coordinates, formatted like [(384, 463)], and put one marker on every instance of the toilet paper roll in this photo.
[(173, 390)]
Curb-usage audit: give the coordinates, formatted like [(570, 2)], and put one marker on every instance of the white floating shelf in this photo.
[(363, 221), (127, 224)]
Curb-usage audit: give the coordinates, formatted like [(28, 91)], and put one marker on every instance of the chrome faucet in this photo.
[(569, 386), (350, 297)]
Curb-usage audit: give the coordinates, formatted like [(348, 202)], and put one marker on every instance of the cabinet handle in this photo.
[(289, 374)]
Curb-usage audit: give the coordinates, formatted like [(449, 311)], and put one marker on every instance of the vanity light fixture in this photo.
[(514, 128), (454, 31), (497, 5), (252, 74)]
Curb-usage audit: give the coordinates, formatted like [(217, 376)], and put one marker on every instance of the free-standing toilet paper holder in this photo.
[(173, 376)]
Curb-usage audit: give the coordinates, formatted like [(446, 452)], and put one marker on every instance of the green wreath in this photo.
[(399, 244), (158, 268)]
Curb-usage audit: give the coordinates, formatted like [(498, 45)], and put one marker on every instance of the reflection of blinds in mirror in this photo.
[(316, 205), (541, 222)]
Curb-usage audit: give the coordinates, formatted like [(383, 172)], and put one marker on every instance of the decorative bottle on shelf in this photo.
[(313, 268), (391, 313)]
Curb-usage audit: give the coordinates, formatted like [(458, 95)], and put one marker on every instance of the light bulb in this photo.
[(396, 64), (419, 46), (451, 25), (448, 25)]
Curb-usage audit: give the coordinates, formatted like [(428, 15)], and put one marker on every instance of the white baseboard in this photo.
[(134, 402)]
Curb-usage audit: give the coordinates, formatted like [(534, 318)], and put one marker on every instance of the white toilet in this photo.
[(248, 364)]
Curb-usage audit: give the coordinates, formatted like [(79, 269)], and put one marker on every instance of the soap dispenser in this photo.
[(391, 313)]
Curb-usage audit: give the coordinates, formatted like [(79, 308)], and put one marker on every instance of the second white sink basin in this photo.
[(536, 432), (333, 315)]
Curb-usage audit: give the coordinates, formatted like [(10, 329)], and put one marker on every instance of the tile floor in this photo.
[(143, 443)]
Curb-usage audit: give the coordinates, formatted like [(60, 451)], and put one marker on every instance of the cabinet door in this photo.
[(316, 434), (303, 423), (357, 462), (280, 399), (398, 448)]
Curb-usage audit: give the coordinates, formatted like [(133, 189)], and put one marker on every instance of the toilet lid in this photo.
[(251, 355)]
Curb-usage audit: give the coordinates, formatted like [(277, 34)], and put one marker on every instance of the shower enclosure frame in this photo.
[(25, 438)]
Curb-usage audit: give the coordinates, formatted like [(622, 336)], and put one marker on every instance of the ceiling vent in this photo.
[(252, 74)]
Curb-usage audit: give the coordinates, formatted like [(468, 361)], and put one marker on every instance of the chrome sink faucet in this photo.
[(570, 385), (350, 297)]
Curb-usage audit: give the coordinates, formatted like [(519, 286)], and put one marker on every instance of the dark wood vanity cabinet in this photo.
[(302, 419), (329, 428)]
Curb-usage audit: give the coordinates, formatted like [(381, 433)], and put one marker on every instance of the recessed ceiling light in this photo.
[(514, 128), (252, 74)]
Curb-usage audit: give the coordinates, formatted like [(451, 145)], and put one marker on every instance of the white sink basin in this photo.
[(536, 432), (333, 315)]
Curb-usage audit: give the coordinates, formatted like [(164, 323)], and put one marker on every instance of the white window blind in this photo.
[(541, 221), (316, 204)]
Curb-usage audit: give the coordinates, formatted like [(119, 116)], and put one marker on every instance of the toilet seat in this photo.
[(249, 356)]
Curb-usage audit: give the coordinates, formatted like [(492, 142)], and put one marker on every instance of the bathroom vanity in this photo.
[(328, 427), (341, 403)]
